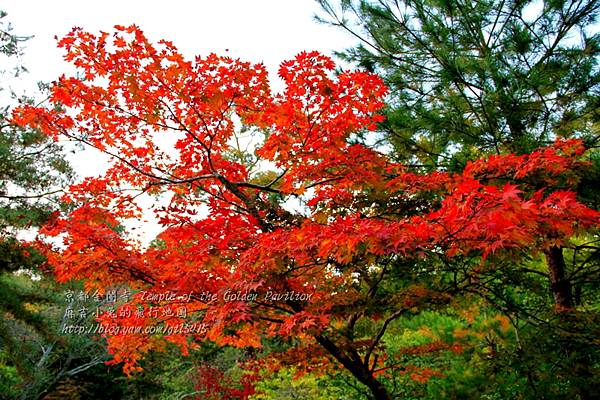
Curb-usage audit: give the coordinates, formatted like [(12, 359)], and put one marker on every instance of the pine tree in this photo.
[(476, 77)]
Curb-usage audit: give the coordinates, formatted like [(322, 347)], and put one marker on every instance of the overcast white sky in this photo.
[(267, 31)]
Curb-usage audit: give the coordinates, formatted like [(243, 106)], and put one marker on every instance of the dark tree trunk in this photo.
[(358, 369), (562, 290), (559, 284)]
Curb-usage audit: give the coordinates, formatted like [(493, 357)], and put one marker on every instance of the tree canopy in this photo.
[(310, 235)]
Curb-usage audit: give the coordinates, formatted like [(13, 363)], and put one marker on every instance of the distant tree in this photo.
[(33, 173), (33, 170)]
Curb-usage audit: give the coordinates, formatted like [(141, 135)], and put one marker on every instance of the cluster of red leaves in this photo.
[(305, 358), (422, 375), (214, 384), (136, 95), (418, 374)]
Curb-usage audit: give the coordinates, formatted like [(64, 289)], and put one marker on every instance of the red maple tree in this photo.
[(309, 225)]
